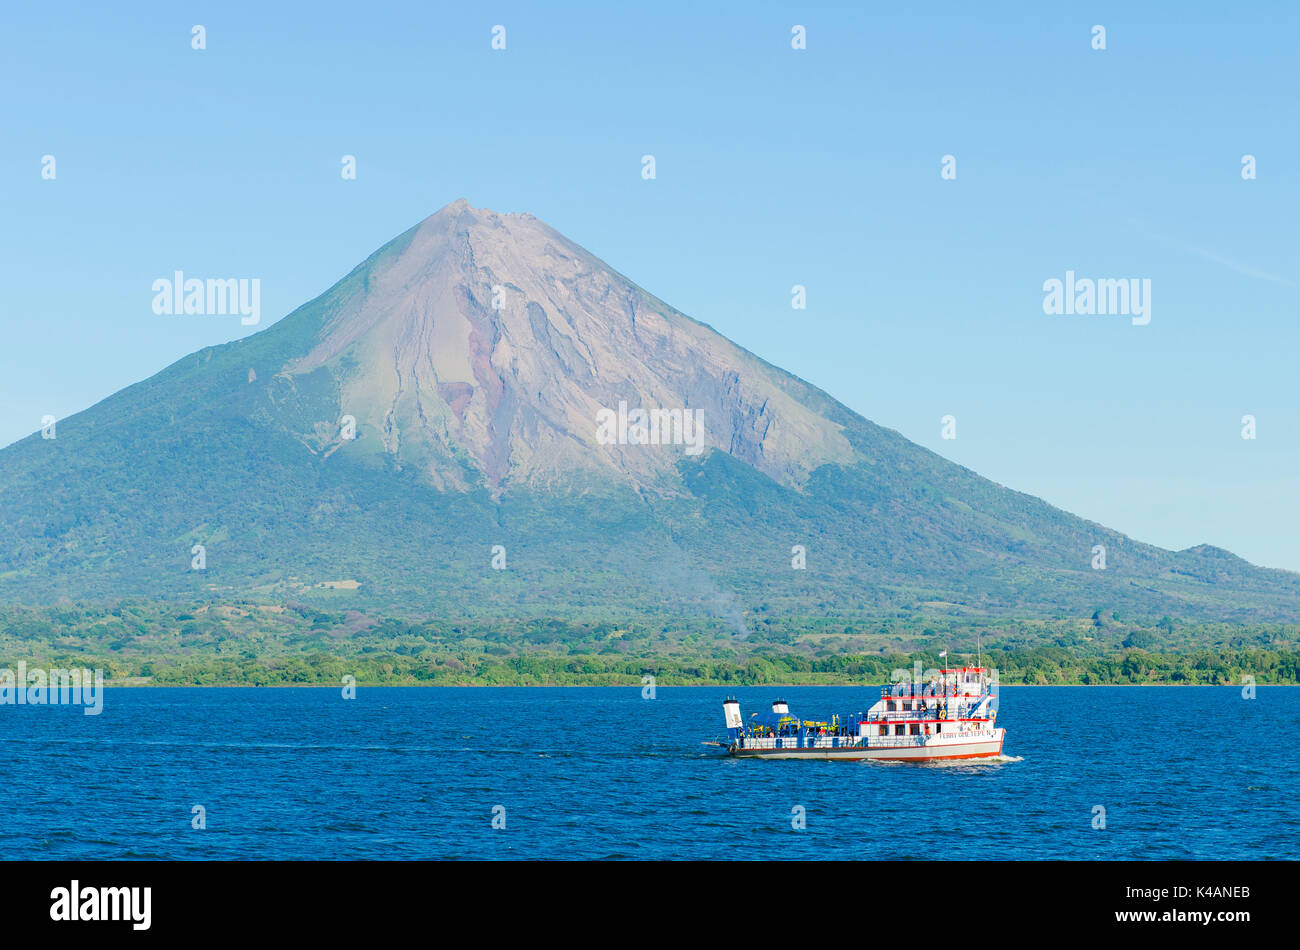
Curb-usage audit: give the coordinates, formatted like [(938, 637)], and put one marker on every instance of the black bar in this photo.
[(341, 899)]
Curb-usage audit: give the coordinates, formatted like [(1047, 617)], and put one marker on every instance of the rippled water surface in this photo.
[(1194, 772)]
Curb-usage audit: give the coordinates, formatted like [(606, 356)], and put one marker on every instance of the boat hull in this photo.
[(948, 751)]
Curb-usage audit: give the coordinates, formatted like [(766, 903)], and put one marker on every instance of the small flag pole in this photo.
[(943, 679)]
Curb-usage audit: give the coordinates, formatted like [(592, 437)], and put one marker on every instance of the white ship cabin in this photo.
[(953, 703)]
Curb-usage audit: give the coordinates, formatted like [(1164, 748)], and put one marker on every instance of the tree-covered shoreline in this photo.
[(250, 644), (1042, 667)]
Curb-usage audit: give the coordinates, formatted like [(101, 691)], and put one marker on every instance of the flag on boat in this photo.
[(944, 653)]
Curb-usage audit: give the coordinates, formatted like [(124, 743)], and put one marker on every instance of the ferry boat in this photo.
[(952, 716)]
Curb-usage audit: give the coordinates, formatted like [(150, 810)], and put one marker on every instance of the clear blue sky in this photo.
[(775, 167)]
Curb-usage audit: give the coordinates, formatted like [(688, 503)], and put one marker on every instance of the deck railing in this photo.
[(833, 742)]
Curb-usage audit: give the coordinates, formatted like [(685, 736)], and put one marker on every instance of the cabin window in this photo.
[(916, 728), (898, 730), (884, 730)]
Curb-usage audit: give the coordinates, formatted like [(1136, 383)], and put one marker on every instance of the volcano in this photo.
[(485, 419), (483, 350)]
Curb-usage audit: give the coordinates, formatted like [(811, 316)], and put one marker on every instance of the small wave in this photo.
[(981, 762), (951, 763)]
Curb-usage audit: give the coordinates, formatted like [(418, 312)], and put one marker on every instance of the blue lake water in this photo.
[(1182, 772)]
